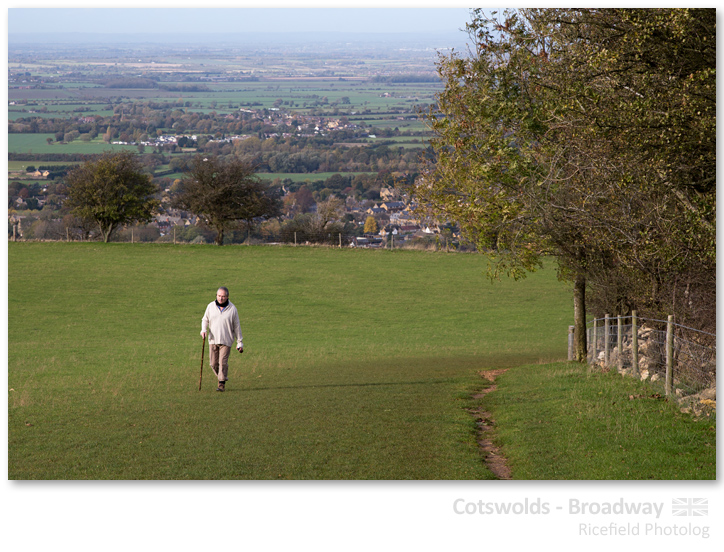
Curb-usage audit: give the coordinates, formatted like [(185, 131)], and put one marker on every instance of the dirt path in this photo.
[(493, 457)]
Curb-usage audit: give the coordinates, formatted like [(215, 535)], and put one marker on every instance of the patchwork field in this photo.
[(38, 143)]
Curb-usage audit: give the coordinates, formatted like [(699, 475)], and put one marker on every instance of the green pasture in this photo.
[(304, 177), (562, 421), (59, 111), (22, 165), (359, 364), (14, 115), (37, 143), (405, 142)]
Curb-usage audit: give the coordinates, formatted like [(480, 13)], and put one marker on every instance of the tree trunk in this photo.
[(220, 237), (579, 314), (106, 231)]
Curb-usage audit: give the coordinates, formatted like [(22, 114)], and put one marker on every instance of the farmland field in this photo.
[(37, 143), (303, 177), (22, 165), (358, 363)]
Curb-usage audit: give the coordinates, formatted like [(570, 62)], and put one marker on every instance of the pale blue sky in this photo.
[(228, 20)]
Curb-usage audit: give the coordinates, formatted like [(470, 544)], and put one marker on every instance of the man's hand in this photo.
[(203, 335), (240, 349)]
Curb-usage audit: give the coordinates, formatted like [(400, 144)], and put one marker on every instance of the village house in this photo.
[(393, 206), (404, 217), (409, 229), (375, 211), (165, 222), (388, 194)]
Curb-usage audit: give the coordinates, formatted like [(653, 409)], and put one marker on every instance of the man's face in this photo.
[(221, 296)]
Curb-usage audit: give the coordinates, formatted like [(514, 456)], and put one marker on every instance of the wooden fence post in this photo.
[(619, 343), (634, 344), (606, 339), (669, 353), (594, 355), (589, 334), (295, 238), (570, 342)]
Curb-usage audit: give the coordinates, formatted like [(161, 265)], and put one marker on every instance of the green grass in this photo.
[(358, 364), (559, 421), (303, 177), (37, 143), (22, 165)]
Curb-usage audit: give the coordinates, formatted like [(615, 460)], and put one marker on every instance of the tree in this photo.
[(641, 110), (631, 96), (328, 212), (111, 191), (76, 228), (371, 226), (303, 198), (225, 193), (585, 134)]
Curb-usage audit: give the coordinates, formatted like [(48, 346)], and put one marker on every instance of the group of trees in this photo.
[(93, 189), (114, 191), (588, 135), (309, 155)]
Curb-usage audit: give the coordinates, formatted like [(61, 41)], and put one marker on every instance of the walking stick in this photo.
[(201, 373)]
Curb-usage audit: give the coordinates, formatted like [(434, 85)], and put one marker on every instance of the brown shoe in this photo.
[(221, 386)]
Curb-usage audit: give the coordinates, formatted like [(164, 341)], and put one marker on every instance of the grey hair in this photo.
[(224, 289)]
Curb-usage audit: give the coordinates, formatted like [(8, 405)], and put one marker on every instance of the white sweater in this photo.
[(223, 325)]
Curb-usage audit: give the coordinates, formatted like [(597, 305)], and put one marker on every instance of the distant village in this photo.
[(285, 124), (395, 220)]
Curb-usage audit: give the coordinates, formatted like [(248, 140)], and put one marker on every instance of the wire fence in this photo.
[(683, 358), (180, 236)]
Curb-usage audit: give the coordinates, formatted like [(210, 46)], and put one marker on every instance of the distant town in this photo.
[(338, 129)]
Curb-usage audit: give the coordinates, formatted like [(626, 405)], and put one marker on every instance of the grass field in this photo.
[(358, 364), (367, 95), (22, 165), (303, 177), (37, 143), (560, 421)]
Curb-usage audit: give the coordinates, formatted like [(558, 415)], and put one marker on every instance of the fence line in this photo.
[(683, 358), (296, 238)]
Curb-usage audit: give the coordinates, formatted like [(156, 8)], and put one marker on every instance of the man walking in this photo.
[(221, 319)]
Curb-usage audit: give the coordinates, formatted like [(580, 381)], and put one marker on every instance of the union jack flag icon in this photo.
[(690, 506)]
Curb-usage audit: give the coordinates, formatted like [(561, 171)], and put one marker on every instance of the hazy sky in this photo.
[(230, 20)]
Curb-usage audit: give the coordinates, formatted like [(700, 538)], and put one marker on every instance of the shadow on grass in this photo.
[(333, 385)]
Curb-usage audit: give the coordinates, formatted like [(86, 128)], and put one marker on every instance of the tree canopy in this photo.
[(111, 191), (589, 135), (225, 193)]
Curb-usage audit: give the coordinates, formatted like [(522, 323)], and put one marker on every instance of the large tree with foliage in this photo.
[(585, 134), (641, 111), (111, 191), (225, 194)]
